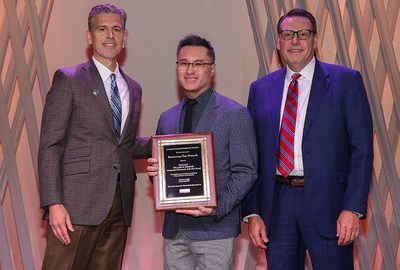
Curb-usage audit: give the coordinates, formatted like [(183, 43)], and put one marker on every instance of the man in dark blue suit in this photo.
[(311, 191), (205, 238)]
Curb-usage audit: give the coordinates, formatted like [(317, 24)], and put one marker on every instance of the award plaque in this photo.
[(186, 175)]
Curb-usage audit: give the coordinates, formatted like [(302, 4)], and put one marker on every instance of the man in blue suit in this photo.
[(311, 199), (205, 238)]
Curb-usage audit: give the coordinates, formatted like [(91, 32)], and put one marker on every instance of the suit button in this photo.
[(116, 166)]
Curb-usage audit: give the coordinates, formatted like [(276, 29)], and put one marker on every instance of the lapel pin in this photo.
[(95, 93)]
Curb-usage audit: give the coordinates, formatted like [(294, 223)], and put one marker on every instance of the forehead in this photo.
[(108, 19), (295, 23), (193, 52)]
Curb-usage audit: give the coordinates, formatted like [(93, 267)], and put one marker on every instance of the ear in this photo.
[(315, 40), (124, 39), (89, 37), (213, 69), (278, 41)]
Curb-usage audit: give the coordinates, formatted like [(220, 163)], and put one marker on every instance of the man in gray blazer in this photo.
[(205, 238), (87, 146)]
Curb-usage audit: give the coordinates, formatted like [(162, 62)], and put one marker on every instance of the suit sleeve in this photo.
[(250, 204), (55, 120), (243, 162), (360, 134), (142, 147)]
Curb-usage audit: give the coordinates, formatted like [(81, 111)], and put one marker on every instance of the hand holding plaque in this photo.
[(186, 177)]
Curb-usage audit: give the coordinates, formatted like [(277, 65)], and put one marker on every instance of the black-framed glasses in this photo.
[(183, 65), (302, 34)]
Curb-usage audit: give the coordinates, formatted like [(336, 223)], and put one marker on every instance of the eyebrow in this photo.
[(184, 59), (112, 26)]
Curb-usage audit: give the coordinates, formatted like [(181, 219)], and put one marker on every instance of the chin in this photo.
[(190, 87)]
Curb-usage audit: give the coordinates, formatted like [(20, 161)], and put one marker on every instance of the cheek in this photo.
[(180, 77)]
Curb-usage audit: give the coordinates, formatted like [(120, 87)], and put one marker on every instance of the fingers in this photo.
[(257, 232), (348, 228), (152, 169), (152, 161), (201, 211), (206, 210), (264, 236), (64, 236), (354, 235), (60, 231), (190, 212), (345, 238), (69, 224), (58, 221), (258, 241)]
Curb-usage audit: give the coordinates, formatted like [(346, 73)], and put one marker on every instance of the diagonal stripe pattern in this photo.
[(288, 127), (116, 106)]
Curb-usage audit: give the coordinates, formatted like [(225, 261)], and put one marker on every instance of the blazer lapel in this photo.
[(96, 85), (275, 101), (319, 88), (132, 101), (209, 113)]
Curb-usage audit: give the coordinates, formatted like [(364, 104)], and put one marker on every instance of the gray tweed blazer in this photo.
[(235, 158), (79, 154)]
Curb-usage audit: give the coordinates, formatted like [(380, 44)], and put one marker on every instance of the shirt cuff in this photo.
[(246, 218), (358, 214)]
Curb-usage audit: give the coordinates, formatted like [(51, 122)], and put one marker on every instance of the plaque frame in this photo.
[(202, 144)]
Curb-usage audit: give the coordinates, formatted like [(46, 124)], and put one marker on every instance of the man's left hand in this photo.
[(347, 228), (201, 211)]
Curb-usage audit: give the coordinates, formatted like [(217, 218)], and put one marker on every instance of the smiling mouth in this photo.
[(295, 49)]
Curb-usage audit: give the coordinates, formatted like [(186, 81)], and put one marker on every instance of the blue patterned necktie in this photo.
[(116, 106)]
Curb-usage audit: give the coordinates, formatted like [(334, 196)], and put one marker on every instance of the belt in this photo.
[(294, 181)]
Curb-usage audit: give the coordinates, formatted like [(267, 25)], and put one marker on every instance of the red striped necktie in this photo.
[(288, 127)]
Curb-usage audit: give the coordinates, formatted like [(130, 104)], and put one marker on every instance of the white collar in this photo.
[(104, 71)]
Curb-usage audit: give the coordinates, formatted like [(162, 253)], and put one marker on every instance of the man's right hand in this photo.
[(257, 232), (152, 169), (59, 221)]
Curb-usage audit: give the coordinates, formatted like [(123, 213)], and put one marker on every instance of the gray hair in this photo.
[(105, 9)]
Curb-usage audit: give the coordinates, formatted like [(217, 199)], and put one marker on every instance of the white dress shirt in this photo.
[(304, 87), (122, 88)]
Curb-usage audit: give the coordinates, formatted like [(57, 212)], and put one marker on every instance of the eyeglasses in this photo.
[(183, 65), (301, 34)]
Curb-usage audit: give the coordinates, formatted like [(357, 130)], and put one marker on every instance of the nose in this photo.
[(190, 68), (295, 38), (110, 34)]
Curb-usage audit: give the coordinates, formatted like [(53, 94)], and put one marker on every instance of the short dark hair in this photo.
[(105, 9), (298, 12), (195, 40)]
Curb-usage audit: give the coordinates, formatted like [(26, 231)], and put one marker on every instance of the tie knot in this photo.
[(191, 102), (295, 76), (112, 76)]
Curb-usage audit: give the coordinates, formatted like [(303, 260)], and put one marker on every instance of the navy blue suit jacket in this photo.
[(235, 158), (337, 146)]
